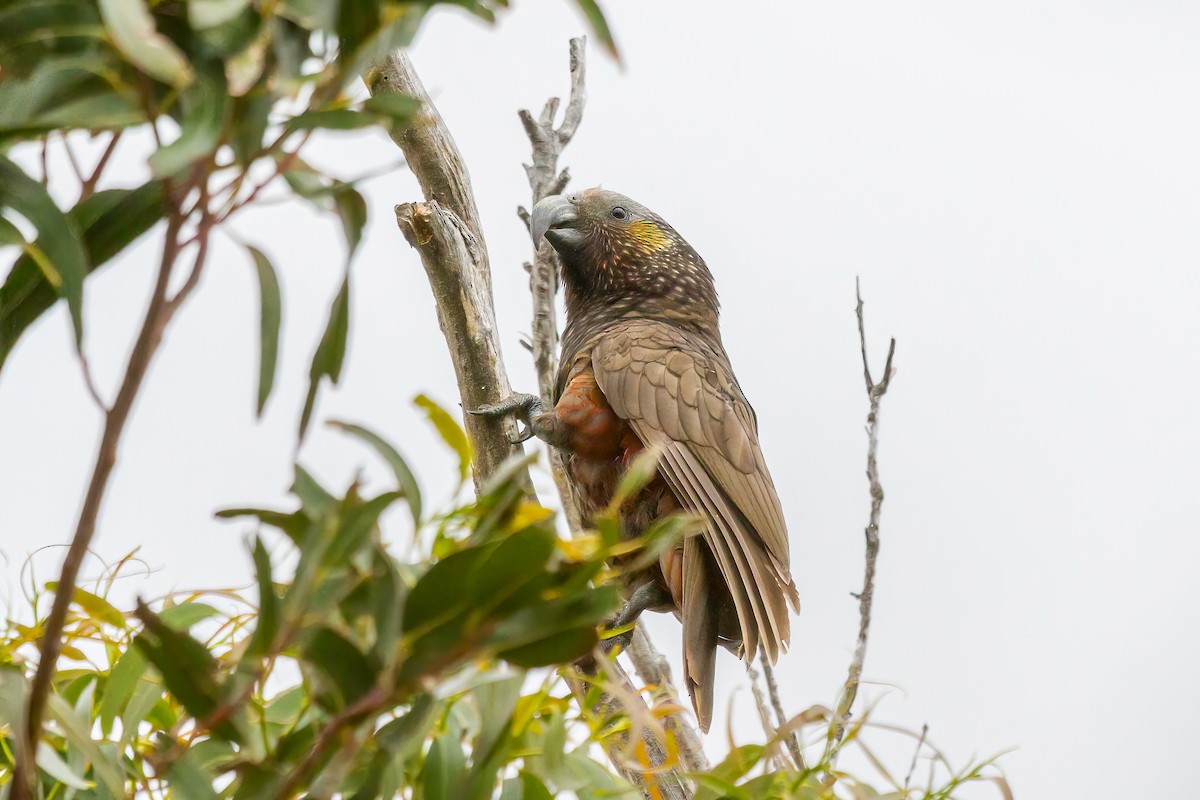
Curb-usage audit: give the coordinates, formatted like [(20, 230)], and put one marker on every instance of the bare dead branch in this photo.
[(916, 754), (445, 231), (547, 143), (774, 753), (875, 392), (654, 669), (456, 270), (545, 178), (792, 738), (430, 151)]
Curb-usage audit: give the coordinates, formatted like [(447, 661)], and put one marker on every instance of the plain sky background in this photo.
[(1018, 186)]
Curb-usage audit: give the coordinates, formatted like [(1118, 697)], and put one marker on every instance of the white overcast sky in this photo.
[(1018, 186)]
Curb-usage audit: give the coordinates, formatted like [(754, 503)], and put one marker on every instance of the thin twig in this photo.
[(89, 381), (158, 314), (545, 179), (89, 186), (374, 700), (792, 738), (764, 716), (916, 754), (547, 143), (201, 237), (72, 159), (875, 392)]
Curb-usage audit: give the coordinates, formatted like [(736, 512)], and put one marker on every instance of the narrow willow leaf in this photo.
[(52, 763), (341, 662), (352, 210), (58, 251), (187, 668), (206, 107), (331, 352), (188, 780), (267, 625), (78, 734), (9, 234), (185, 615), (118, 687), (134, 33), (404, 476), (269, 315), (211, 13), (595, 17), (451, 432)]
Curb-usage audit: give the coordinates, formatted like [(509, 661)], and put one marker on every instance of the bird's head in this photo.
[(615, 250)]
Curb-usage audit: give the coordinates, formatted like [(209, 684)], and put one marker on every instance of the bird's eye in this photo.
[(619, 213)]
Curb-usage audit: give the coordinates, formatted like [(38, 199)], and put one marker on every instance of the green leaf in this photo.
[(146, 695), (58, 251), (267, 625), (444, 769), (134, 33), (183, 616), (517, 560), (250, 115), (315, 499), (450, 431), (211, 13), (111, 220), (558, 648), (9, 234), (188, 780), (495, 702), (663, 534), (206, 106), (118, 688), (49, 761), (352, 210), (77, 730), (641, 470), (336, 119), (595, 17), (439, 591), (187, 668), (93, 111), (343, 663), (407, 482), (357, 526), (13, 688), (331, 352), (270, 313), (294, 523), (100, 609)]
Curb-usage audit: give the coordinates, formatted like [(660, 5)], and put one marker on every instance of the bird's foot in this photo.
[(525, 407), (645, 597)]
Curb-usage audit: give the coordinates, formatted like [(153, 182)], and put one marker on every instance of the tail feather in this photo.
[(699, 628)]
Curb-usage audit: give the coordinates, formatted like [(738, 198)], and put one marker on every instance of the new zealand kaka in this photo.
[(643, 365)]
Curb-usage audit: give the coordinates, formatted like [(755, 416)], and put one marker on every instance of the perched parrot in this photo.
[(643, 366)]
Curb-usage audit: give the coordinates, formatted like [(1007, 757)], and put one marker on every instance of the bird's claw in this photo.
[(522, 405), (521, 435)]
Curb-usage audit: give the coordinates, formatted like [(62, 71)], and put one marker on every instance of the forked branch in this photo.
[(445, 232), (875, 392)]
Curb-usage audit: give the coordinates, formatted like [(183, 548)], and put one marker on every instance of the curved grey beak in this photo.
[(549, 214)]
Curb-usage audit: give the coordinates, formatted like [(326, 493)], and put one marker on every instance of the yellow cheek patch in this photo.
[(647, 236)]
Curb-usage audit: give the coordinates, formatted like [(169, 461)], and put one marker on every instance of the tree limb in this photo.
[(547, 143), (875, 392), (445, 231)]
